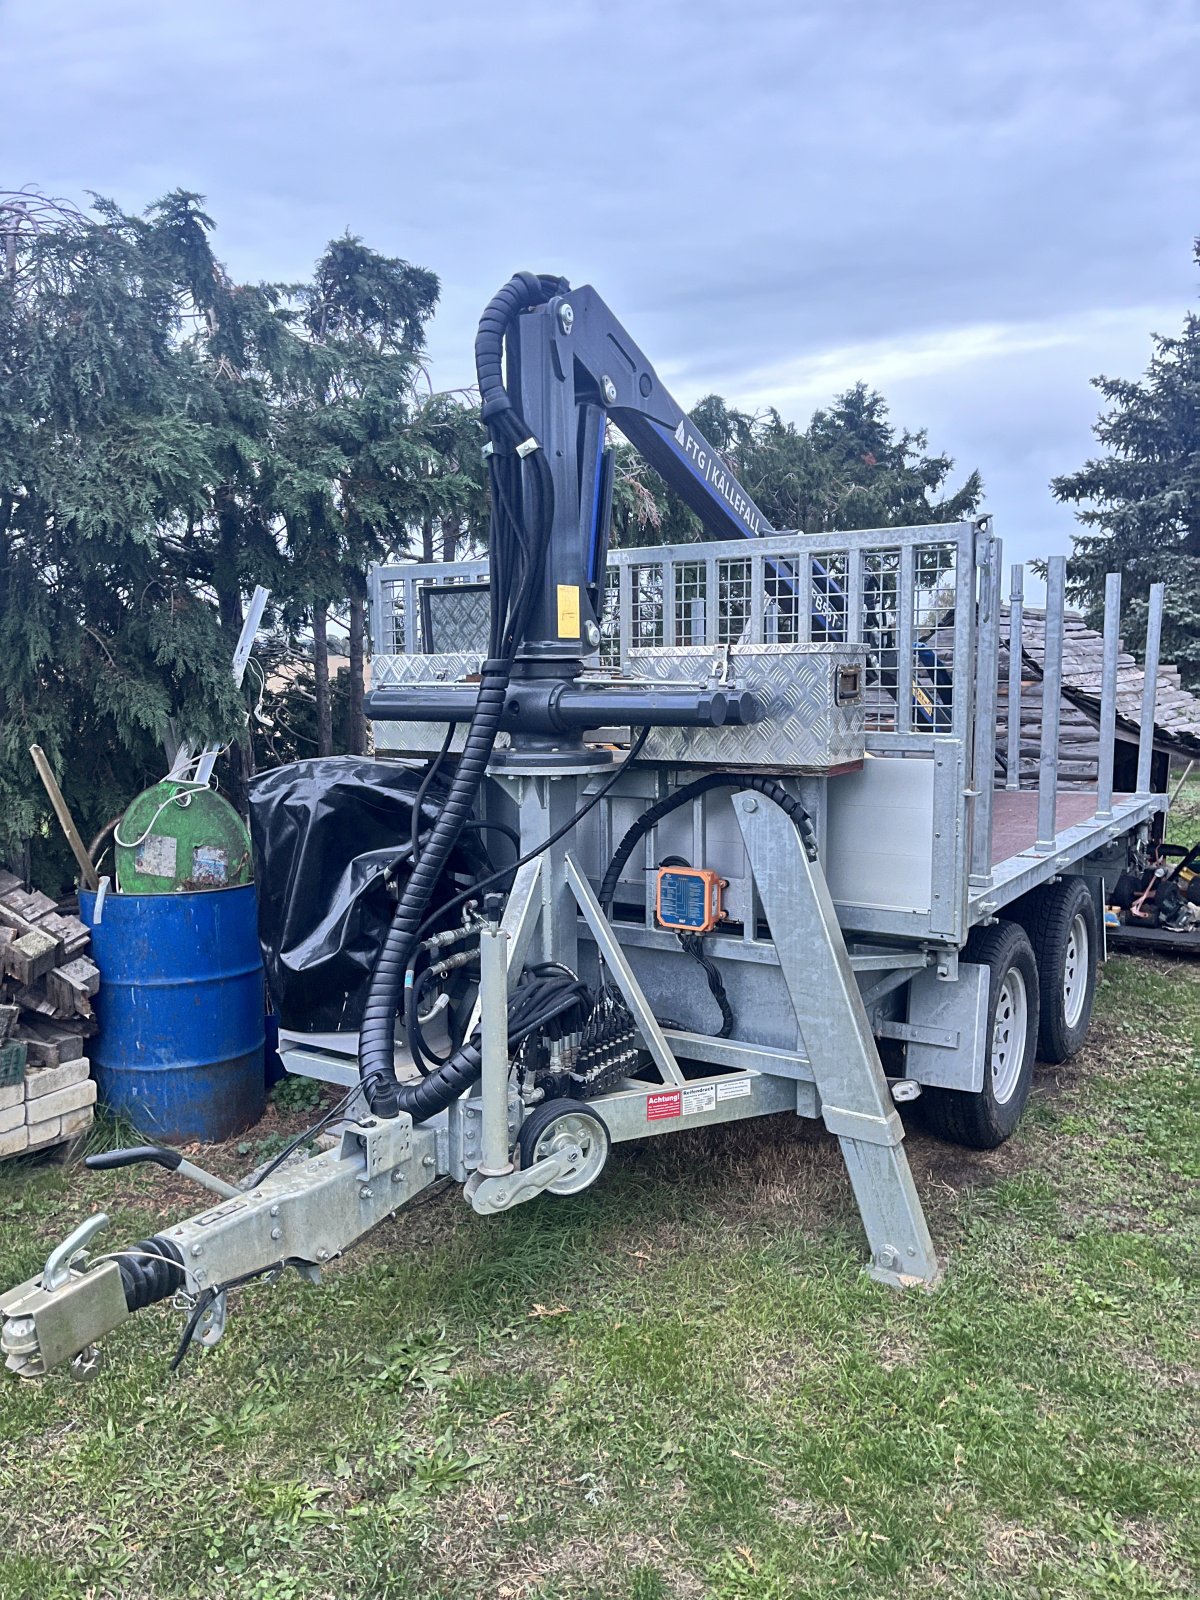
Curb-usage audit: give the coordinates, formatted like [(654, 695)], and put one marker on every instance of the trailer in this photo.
[(765, 861), (955, 919)]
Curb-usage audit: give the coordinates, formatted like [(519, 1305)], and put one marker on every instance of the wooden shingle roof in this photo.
[(1177, 710)]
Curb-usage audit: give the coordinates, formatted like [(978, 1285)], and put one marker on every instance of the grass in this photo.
[(676, 1385), (1183, 819)]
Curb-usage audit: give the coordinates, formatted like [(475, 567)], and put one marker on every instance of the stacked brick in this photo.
[(46, 988)]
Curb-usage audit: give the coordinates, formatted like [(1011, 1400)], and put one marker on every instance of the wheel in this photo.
[(984, 1120), (565, 1125), (1060, 919)]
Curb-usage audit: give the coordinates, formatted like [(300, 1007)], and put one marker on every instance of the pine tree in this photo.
[(1141, 500), (850, 468), (169, 438), (109, 451)]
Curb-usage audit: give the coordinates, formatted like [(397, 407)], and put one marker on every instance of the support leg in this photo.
[(656, 1041), (833, 1022)]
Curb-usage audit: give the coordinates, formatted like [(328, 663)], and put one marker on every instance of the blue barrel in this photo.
[(180, 1047)]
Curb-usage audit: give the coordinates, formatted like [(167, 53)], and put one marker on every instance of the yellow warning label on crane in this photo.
[(568, 611)]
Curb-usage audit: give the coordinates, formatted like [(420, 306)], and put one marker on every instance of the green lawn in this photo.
[(1183, 820), (678, 1384)]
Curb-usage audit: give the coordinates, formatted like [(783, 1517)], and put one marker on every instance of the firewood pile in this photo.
[(47, 984)]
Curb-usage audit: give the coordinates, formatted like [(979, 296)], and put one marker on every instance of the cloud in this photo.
[(975, 207)]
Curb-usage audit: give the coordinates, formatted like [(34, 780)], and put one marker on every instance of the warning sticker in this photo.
[(568, 611), (156, 855), (667, 1103), (733, 1089), (699, 1097)]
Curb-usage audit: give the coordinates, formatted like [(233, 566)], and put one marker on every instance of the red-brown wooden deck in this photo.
[(1014, 817)]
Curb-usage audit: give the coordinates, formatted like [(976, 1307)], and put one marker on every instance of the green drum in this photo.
[(179, 838)]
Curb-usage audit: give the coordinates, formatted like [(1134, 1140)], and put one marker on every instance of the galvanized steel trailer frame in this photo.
[(718, 595), (832, 971)]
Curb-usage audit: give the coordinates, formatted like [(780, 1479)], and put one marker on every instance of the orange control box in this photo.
[(688, 899)]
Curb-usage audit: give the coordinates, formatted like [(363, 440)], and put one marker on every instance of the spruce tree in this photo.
[(1140, 501)]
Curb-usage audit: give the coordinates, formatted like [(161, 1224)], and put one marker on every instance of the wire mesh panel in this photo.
[(647, 606), (734, 585), (880, 631), (785, 613), (935, 576), (388, 630), (691, 602), (828, 597)]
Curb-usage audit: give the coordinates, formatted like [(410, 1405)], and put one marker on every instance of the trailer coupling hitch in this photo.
[(301, 1216), (65, 1310)]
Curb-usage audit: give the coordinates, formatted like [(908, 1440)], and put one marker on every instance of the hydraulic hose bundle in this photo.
[(522, 500)]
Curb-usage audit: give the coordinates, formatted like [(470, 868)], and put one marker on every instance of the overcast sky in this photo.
[(974, 206)]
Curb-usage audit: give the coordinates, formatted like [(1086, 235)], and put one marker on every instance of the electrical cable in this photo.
[(593, 800), (212, 1293), (482, 826), (693, 945), (654, 814), (303, 1138), (430, 774)]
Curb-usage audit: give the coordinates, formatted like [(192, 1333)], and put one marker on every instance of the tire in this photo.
[(576, 1124), (1060, 919), (984, 1120)]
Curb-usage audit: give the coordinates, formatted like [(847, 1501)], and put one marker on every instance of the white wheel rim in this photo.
[(567, 1134), (1075, 971), (1009, 1033)]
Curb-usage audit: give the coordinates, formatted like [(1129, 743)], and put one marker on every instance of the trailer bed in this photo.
[(1015, 816)]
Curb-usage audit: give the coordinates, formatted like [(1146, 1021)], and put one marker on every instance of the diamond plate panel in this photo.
[(803, 726), (457, 615), (422, 738)]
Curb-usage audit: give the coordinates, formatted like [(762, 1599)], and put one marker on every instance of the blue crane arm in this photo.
[(575, 366)]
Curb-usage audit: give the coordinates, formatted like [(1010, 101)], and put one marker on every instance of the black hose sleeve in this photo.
[(522, 292), (713, 780), (376, 1061), (517, 553), (150, 1271)]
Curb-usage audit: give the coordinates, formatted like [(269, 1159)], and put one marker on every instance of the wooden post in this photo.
[(87, 871)]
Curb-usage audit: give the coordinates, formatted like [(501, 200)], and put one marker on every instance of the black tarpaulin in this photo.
[(324, 832)]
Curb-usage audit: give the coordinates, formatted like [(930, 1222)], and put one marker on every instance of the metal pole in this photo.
[(493, 1088), (1016, 623), (1108, 694), (375, 609), (1187, 772), (1150, 687), (987, 656), (1056, 604)]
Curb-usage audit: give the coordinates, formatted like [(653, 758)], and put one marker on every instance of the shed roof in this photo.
[(1177, 710)]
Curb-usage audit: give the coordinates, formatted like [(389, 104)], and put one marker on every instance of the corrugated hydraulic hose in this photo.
[(376, 1040), (517, 553)]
